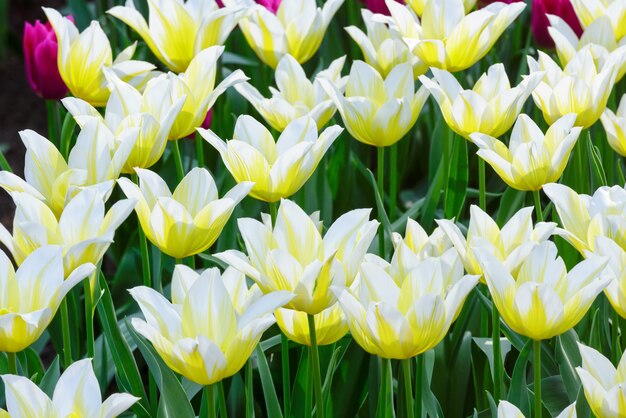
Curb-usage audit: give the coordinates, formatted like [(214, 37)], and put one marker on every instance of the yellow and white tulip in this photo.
[(614, 124), (185, 222), (508, 410), (330, 325), (532, 159), (490, 107), (83, 56), (584, 217), (293, 256), (401, 316), (178, 30), (96, 160), (30, 296), (418, 6), (582, 87), (449, 39), (616, 290), (383, 47), (128, 108), (84, 229), (588, 11), (76, 394), (510, 245), (201, 334), (599, 36), (378, 111), (196, 85), (295, 96), (278, 169), (541, 299), (603, 384), (297, 28)]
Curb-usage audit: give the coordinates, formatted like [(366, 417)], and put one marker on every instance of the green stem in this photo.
[(249, 390), (191, 262), (67, 130), (199, 149), (393, 182), (381, 192), (408, 391), (4, 164), (53, 121), (537, 200), (273, 211), (315, 364), (537, 370), (482, 196), (385, 396), (617, 350), (65, 332), (143, 245), (209, 394), (284, 352), (497, 356), (12, 359), (419, 385), (178, 161), (91, 350), (222, 399)]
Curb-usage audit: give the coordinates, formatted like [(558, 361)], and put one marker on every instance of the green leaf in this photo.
[(173, 402), (269, 390), (518, 391), (568, 358), (51, 377), (486, 346), (381, 208), (432, 197), (456, 190), (554, 395), (80, 12), (596, 163), (127, 370), (511, 201)]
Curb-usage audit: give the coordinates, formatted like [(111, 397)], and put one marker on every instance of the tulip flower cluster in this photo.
[(273, 261)]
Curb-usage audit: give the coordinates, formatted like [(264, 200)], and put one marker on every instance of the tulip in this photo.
[(293, 256), (584, 218), (603, 384), (590, 10), (82, 57), (541, 11), (508, 410), (77, 393), (532, 159), (382, 47), (378, 111), (401, 316), (297, 28), (200, 334), (330, 325), (449, 39), (541, 299), (377, 6), (196, 85), (40, 61), (128, 108), (581, 87), (616, 290), (178, 31), (599, 35), (84, 230), (295, 95), (418, 6), (615, 127), (510, 245), (278, 169), (490, 107), (95, 161), (185, 222), (271, 5), (30, 297)]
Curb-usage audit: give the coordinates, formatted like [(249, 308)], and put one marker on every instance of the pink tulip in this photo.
[(206, 123), (40, 61), (540, 22), (378, 6)]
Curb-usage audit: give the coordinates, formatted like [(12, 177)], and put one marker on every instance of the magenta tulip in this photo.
[(378, 6), (540, 22), (40, 61), (271, 5)]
